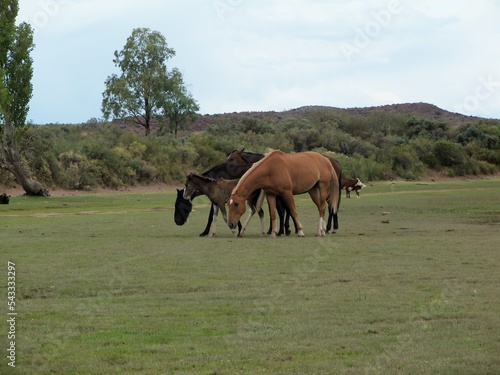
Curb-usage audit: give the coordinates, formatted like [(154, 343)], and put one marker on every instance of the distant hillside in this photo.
[(418, 110)]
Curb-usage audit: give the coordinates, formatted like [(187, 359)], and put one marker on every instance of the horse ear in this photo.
[(243, 149)]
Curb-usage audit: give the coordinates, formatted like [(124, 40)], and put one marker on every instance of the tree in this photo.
[(144, 86), (16, 71), (180, 107)]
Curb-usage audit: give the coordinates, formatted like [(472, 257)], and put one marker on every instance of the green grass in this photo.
[(108, 284)]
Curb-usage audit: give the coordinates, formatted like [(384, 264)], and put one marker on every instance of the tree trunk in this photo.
[(11, 160), (23, 177)]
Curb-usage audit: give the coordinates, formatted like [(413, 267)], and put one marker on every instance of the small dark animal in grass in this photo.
[(4, 198), (218, 191), (352, 185)]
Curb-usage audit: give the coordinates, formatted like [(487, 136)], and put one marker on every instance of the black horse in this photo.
[(227, 171)]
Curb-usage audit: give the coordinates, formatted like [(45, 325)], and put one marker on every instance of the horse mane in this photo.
[(255, 165), (200, 176)]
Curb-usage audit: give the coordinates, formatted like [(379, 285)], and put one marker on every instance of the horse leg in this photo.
[(262, 222), (214, 221), (258, 208), (270, 231), (281, 213), (290, 202), (319, 198), (222, 209), (284, 213), (330, 217), (250, 215), (271, 201), (209, 222)]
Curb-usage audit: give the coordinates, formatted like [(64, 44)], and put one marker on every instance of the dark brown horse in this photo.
[(183, 206), (286, 175), (218, 191)]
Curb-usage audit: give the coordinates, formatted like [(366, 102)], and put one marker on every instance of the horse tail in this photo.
[(340, 187), (335, 194)]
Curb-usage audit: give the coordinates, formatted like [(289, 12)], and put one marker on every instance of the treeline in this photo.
[(380, 146)]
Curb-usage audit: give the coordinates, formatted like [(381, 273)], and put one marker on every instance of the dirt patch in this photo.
[(57, 192)]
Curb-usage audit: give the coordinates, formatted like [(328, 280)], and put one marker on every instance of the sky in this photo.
[(274, 55)]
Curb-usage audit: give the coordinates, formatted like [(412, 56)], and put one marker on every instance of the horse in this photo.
[(183, 206), (245, 157), (242, 157), (218, 191), (287, 175)]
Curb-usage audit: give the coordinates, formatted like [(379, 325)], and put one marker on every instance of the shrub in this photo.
[(406, 163)]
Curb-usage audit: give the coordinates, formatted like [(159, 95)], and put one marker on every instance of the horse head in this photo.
[(236, 157), (237, 208), (189, 187), (182, 208)]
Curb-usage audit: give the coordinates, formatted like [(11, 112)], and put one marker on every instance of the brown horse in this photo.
[(245, 157), (286, 175), (218, 191)]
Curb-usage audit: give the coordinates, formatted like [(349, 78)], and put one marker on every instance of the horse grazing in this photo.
[(352, 185), (286, 175), (219, 191), (183, 206), (244, 157)]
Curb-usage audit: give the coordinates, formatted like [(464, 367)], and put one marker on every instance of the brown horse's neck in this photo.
[(201, 182)]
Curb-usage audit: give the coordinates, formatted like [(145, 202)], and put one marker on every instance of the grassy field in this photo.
[(108, 284)]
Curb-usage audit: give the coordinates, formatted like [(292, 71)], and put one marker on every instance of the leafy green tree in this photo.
[(144, 87), (180, 107), (16, 71)]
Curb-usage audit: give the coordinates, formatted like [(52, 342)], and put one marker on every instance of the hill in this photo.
[(418, 110)]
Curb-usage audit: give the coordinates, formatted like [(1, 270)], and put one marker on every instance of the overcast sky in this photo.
[(256, 55)]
